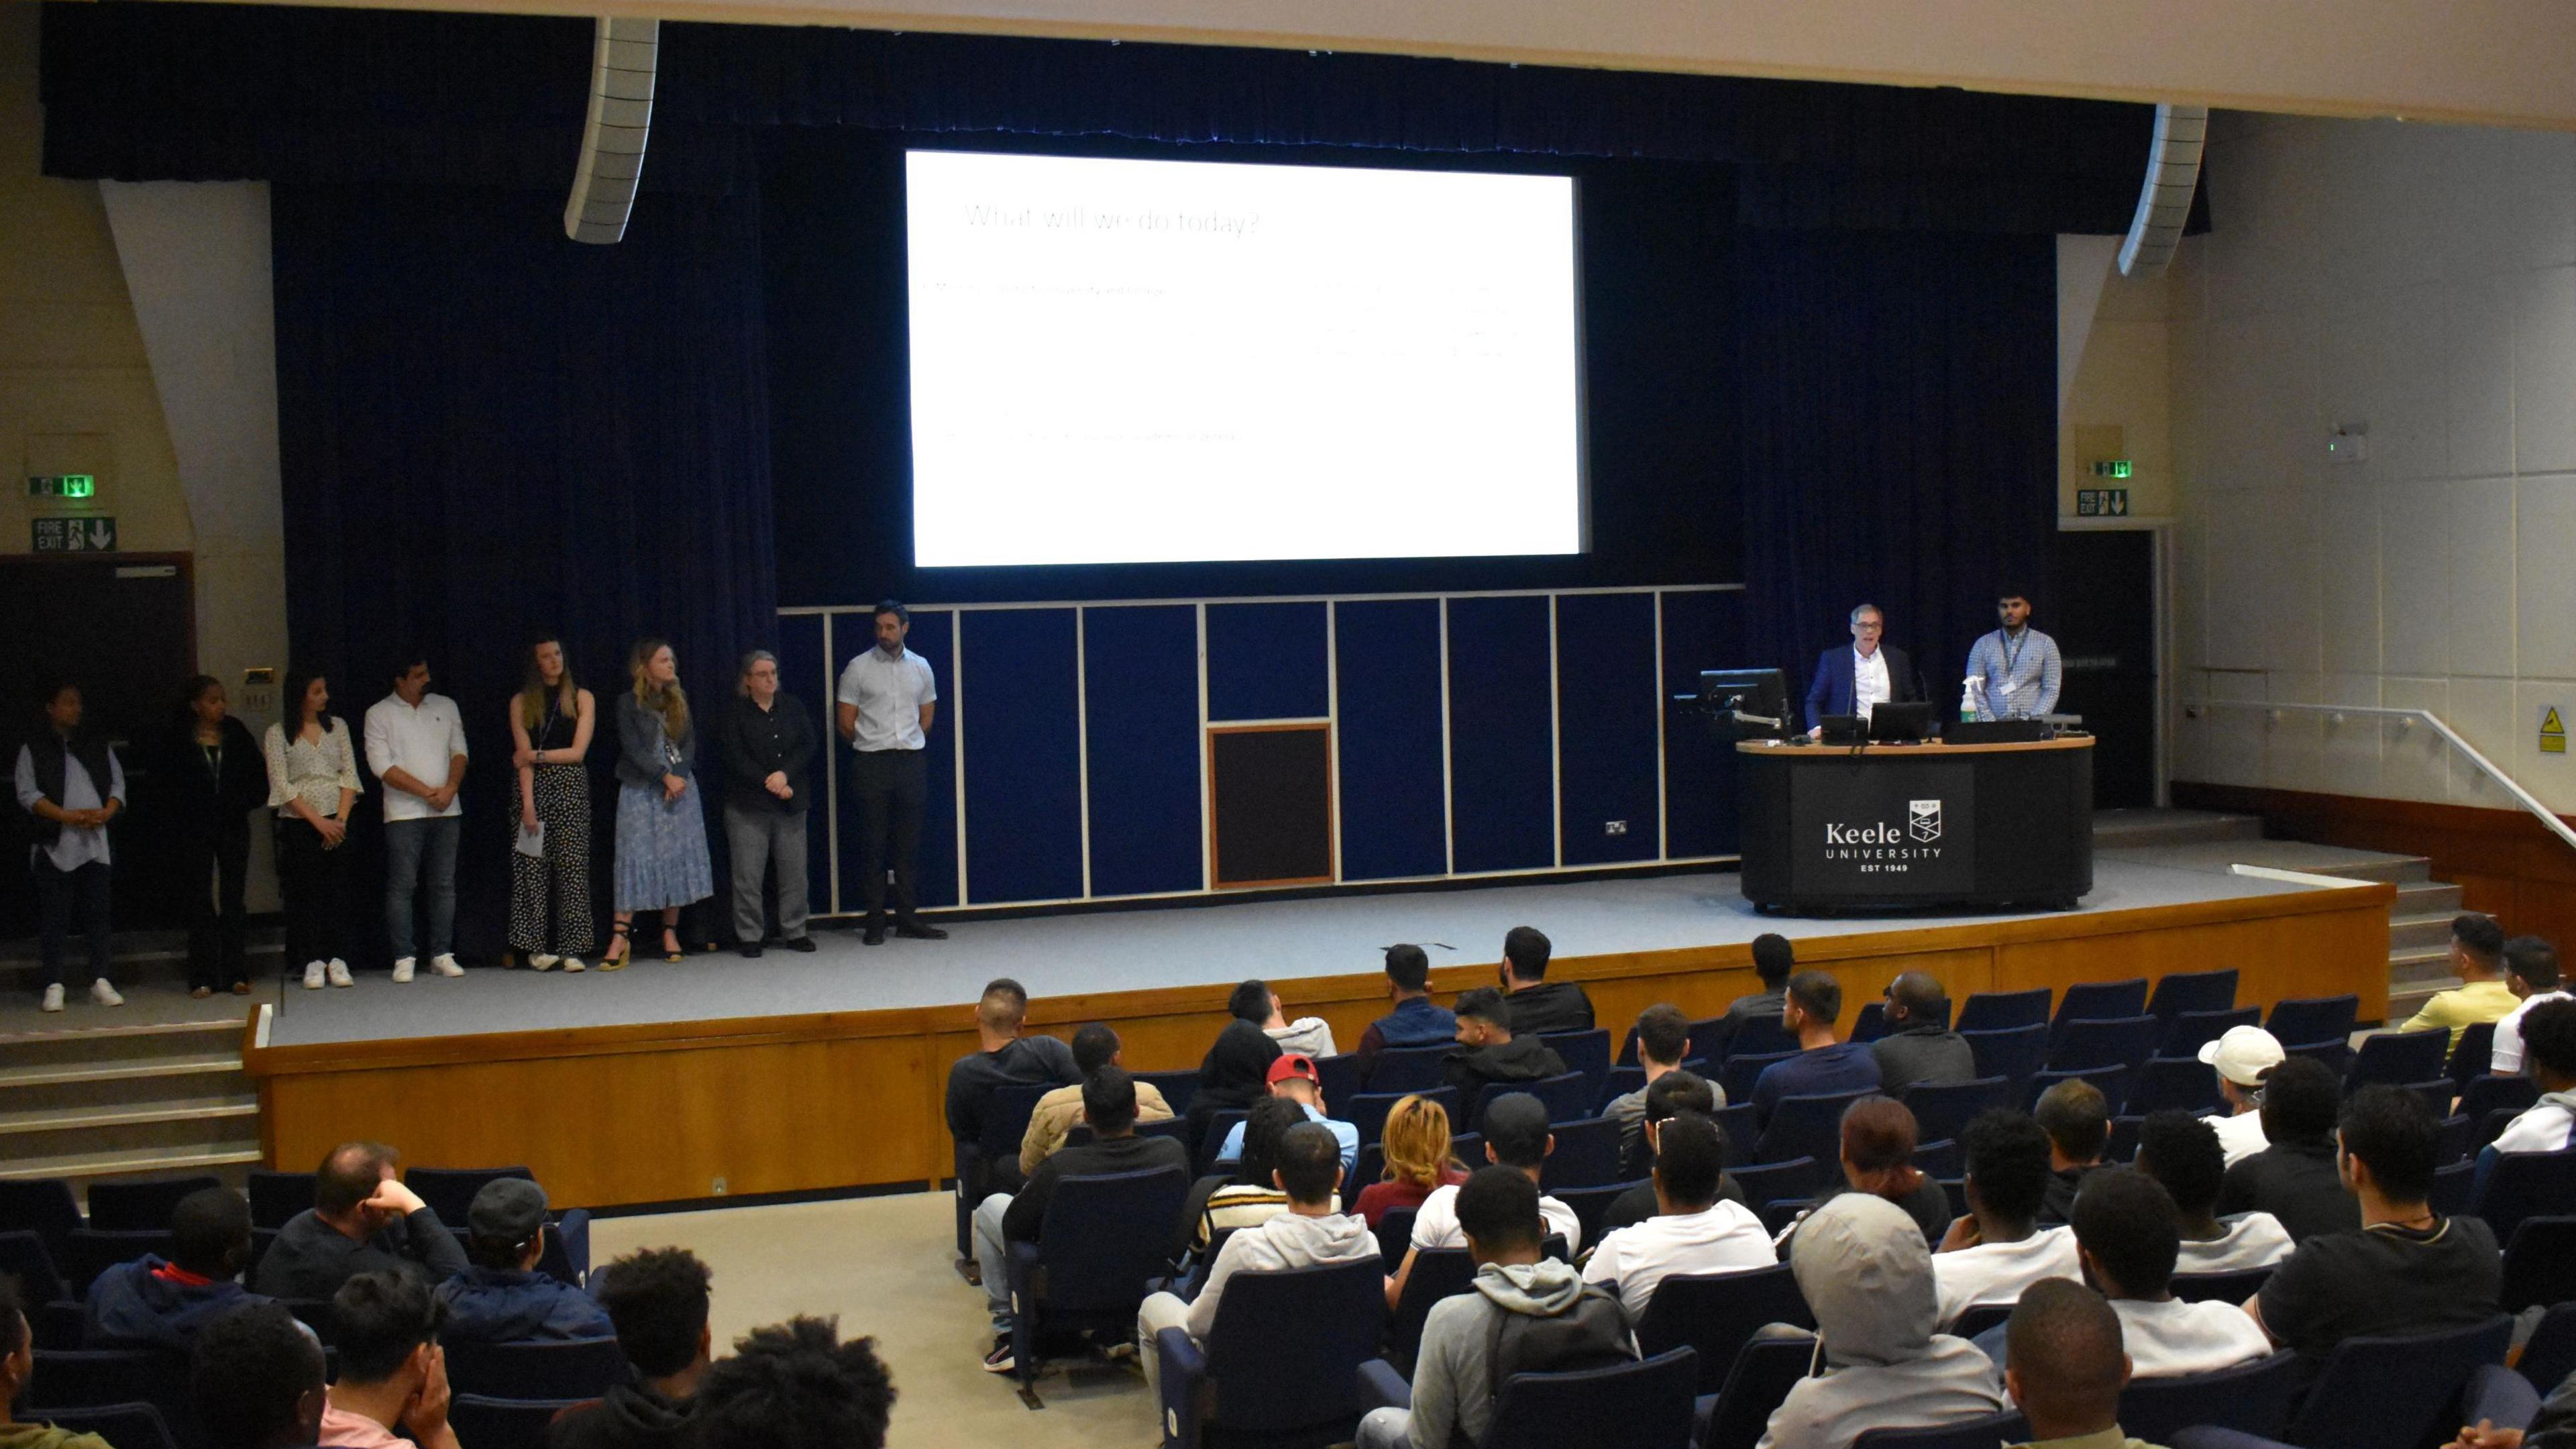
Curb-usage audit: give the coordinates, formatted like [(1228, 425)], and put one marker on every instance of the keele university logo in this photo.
[(1923, 820), (1884, 845)]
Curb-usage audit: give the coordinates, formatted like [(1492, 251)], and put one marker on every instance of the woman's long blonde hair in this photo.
[(532, 689), (669, 701), (1416, 1142)]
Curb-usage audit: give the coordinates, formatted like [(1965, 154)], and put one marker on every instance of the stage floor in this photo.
[(1136, 950)]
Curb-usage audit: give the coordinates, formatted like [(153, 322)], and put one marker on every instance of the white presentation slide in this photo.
[(1167, 361)]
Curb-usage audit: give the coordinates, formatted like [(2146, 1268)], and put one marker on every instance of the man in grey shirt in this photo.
[(363, 1220), (1919, 1045)]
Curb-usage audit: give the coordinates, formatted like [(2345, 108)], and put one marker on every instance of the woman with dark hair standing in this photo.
[(212, 777), (551, 719), (313, 783), (661, 824)]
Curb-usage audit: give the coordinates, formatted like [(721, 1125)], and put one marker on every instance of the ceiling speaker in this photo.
[(2164, 202), (612, 139)]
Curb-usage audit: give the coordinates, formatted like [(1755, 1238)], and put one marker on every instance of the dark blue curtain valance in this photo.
[(143, 91)]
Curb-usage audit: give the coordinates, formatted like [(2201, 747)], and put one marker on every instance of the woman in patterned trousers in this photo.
[(551, 719)]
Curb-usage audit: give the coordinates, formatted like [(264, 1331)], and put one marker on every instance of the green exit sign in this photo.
[(62, 485), (2111, 468)]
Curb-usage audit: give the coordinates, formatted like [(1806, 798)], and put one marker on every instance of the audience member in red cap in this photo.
[(1294, 1077)]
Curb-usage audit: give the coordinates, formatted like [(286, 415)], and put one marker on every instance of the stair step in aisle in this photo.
[(154, 1088)]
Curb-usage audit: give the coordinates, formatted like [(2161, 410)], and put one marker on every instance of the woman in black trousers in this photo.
[(212, 778)]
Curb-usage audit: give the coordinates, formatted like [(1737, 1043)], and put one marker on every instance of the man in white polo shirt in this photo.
[(887, 699), (2243, 1056), (1693, 1230), (416, 745), (2531, 973)]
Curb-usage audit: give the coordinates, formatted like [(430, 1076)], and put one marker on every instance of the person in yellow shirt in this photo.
[(2477, 955)]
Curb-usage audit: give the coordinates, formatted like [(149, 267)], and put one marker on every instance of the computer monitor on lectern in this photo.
[(1751, 704)]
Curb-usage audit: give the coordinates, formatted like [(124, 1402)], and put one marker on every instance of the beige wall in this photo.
[(2419, 281), (2112, 377), (75, 387)]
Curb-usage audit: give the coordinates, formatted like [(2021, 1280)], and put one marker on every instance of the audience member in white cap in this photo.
[(2243, 1057)]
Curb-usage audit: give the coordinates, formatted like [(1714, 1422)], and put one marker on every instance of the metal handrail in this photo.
[(2334, 714)]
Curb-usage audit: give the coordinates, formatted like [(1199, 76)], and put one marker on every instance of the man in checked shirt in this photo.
[(2013, 672)]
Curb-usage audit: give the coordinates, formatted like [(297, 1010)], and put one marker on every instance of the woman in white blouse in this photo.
[(312, 783)]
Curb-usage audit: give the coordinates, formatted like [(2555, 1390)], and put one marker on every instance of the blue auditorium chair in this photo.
[(1281, 1365), (1717, 1314), (1764, 1371), (1943, 1109), (2186, 1034), (2253, 1397), (1759, 1036), (2524, 1185), (490, 1423), (2399, 1058), (2233, 1286), (1102, 1237), (572, 1368), (2105, 1042), (2014, 1053), (1809, 1125), (1586, 1155), (1984, 1432), (276, 1197), (1408, 1069), (2540, 1263), (1437, 1273), (1587, 1052), (2390, 1393), (2180, 993), (1651, 1401), (449, 1191), (144, 1204), (23, 1257), (2098, 1001), (2313, 1018), (2111, 1081), (1737, 1076), (2003, 1010)]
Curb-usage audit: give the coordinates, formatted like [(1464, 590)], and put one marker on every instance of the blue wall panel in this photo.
[(1609, 684), (1023, 762), (1702, 630), (936, 866), (1266, 661), (1142, 688), (1502, 768), (1390, 739), (805, 676)]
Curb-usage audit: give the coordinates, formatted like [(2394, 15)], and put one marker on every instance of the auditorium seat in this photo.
[(2550, 1354), (2124, 1042), (144, 1204), (2186, 1034), (1716, 1314), (2123, 1144), (494, 1423), (1980, 1319), (1179, 1087), (2251, 1397), (1808, 1125), (1759, 1036), (89, 1253), (276, 1197), (2175, 1083), (1220, 1126), (1368, 1110), (449, 1191), (1338, 1076), (2474, 1053), (2098, 1001), (2525, 1185), (2451, 1187), (577, 1368), (1944, 1158), (1078, 1135), (1652, 1401), (2399, 1058), (1623, 1080), (1408, 1069), (2483, 1095), (2014, 1053), (1586, 1155), (1870, 1024), (1764, 1371), (1737, 1123), (1394, 1232), (1102, 1237), (1370, 1168), (1737, 1076), (2003, 1010), (2006, 1427), (2304, 1019), (23, 1257), (2111, 1081), (2455, 1139), (1282, 1361), (1943, 1109), (1772, 1182), (2390, 1393), (101, 1377), (2230, 1287), (1587, 1053), (2540, 1263), (1437, 1273), (1568, 1098), (57, 1323), (1590, 1204), (2334, 1056), (43, 1206), (126, 1426), (2182, 993)]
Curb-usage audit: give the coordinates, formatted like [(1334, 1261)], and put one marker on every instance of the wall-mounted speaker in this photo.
[(612, 139), (2164, 202)]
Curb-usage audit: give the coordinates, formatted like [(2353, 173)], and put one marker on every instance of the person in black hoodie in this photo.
[(1539, 1006), (658, 1300), (1235, 1073), (1493, 1053), (211, 777), (149, 1303), (1003, 1057)]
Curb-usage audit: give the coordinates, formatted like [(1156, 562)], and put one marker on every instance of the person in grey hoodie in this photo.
[(1867, 1273), (1453, 1380), (1310, 1234)]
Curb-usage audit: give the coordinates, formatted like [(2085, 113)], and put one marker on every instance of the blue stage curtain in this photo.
[(485, 428), (1898, 420), (144, 92)]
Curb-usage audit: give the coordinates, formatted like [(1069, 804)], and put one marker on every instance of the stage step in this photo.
[(2117, 829), (155, 1087), (140, 956)]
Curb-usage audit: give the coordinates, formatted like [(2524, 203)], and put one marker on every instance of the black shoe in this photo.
[(747, 950), (799, 943), (1001, 1360), (913, 928), (873, 936)]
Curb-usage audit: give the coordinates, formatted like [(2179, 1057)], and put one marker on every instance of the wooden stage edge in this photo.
[(669, 1111)]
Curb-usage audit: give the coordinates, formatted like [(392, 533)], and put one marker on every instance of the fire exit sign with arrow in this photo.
[(72, 535)]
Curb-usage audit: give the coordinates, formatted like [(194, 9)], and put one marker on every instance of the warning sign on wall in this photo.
[(2553, 733)]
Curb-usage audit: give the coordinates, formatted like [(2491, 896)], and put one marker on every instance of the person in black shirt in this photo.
[(1235, 1073), (1919, 1045), (2408, 1269), (1539, 1006), (1674, 1094), (256, 1381), (2294, 1179), (658, 1299), (1774, 962), (212, 776), (767, 746), (1495, 1051), (362, 1221), (2077, 1119), (1109, 1106), (1002, 1058)]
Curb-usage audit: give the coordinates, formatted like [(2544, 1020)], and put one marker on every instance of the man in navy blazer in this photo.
[(1836, 685)]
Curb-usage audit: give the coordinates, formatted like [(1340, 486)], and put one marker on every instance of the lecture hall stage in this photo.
[(825, 1070)]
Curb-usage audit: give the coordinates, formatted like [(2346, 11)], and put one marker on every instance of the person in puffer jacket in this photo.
[(501, 1298), (1867, 1274), (1453, 1379), (150, 1303)]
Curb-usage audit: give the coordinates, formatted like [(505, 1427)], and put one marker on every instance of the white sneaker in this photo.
[(572, 964), (53, 998), (541, 961), (402, 968), (444, 963), (104, 994), (339, 971), (313, 975)]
